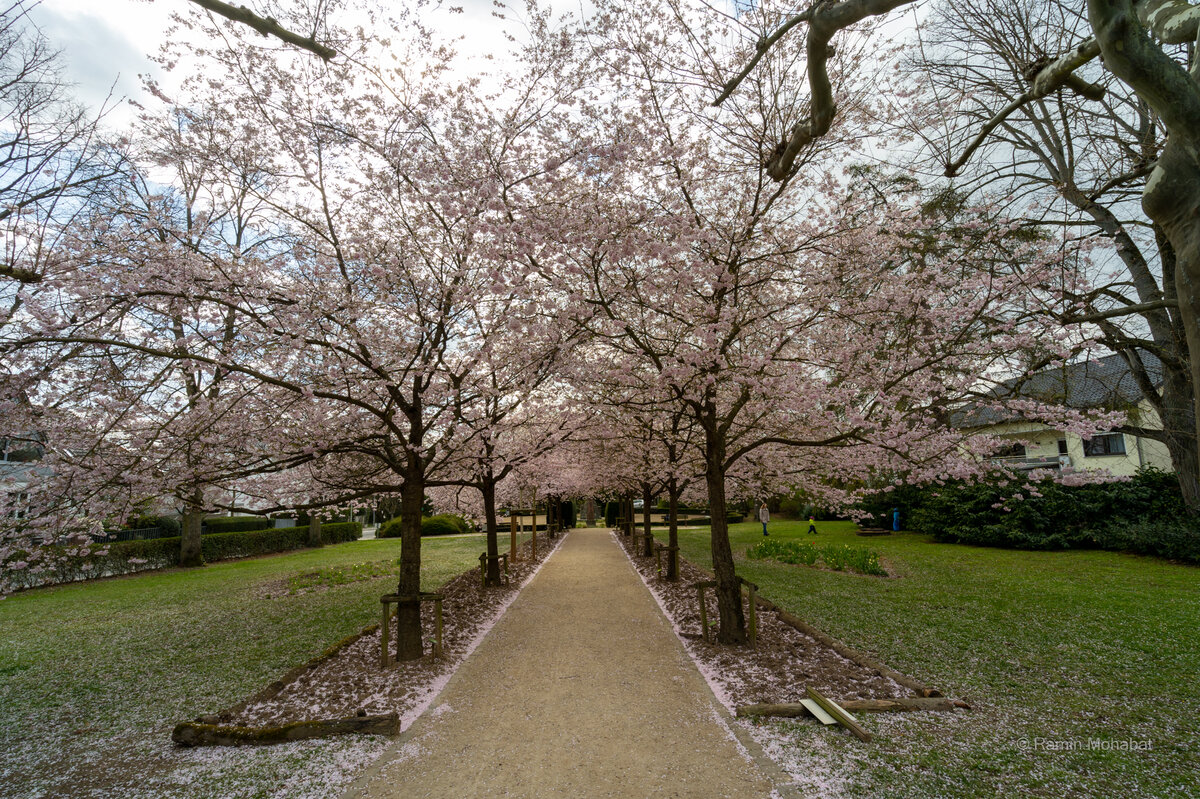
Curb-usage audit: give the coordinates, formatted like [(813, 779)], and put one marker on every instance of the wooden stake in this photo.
[(437, 620), (897, 705), (703, 612), (753, 615), (384, 628)]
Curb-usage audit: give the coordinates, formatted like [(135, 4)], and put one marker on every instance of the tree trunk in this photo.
[(1179, 433), (408, 614), (488, 488), (191, 552), (648, 540), (729, 594), (1174, 202), (627, 504), (590, 512), (314, 530), (673, 529), (1172, 194)]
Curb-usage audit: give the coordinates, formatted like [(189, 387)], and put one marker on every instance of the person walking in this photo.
[(812, 525), (764, 516)]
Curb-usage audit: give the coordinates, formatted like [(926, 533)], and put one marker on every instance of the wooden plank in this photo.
[(818, 711), (897, 705), (843, 717)]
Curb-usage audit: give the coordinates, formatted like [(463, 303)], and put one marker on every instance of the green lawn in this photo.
[(1047, 646), (92, 668)]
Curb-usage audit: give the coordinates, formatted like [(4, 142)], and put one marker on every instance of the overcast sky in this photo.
[(106, 42)]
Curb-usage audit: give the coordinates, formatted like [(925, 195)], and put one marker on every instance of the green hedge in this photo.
[(442, 524), (236, 524), (126, 557), (1145, 514), (339, 532)]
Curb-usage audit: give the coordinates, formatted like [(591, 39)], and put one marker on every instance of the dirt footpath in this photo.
[(580, 690)]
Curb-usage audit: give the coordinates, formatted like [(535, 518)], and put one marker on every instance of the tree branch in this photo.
[(266, 26), (826, 19), (1056, 75), (1172, 21), (1127, 310), (1139, 62), (19, 274), (760, 50)]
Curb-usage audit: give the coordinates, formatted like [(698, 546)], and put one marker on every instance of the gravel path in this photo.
[(580, 690)]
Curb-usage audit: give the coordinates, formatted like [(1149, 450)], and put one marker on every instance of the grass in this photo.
[(1087, 648), (89, 668)]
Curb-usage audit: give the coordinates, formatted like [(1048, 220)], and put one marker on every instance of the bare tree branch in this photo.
[(826, 19), (1056, 75), (266, 26), (760, 50), (1127, 310), (1172, 21)]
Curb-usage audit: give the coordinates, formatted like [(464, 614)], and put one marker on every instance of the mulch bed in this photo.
[(348, 681), (783, 661)]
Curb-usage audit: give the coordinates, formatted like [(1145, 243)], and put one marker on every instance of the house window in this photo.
[(1107, 444), (1016, 450), (1062, 446), (17, 509)]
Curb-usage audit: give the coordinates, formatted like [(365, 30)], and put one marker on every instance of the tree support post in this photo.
[(752, 592), (387, 600)]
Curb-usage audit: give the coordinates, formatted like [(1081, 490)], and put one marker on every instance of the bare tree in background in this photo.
[(50, 159), (1094, 157)]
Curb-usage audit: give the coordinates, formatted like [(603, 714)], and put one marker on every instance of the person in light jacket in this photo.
[(764, 516)]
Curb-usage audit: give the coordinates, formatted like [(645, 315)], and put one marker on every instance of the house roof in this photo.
[(1100, 383)]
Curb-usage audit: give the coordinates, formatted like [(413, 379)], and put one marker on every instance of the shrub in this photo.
[(125, 557), (236, 524), (389, 529), (340, 532), (1176, 539), (442, 524), (1005, 512), (838, 557)]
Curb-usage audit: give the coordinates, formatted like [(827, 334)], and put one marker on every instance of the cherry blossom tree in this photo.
[(1149, 46), (817, 318)]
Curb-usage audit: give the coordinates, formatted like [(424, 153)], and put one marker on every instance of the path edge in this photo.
[(784, 786), (354, 790)]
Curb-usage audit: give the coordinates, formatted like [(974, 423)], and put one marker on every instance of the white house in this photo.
[(1105, 383)]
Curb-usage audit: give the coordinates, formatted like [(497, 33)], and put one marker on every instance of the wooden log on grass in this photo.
[(190, 733), (911, 703)]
